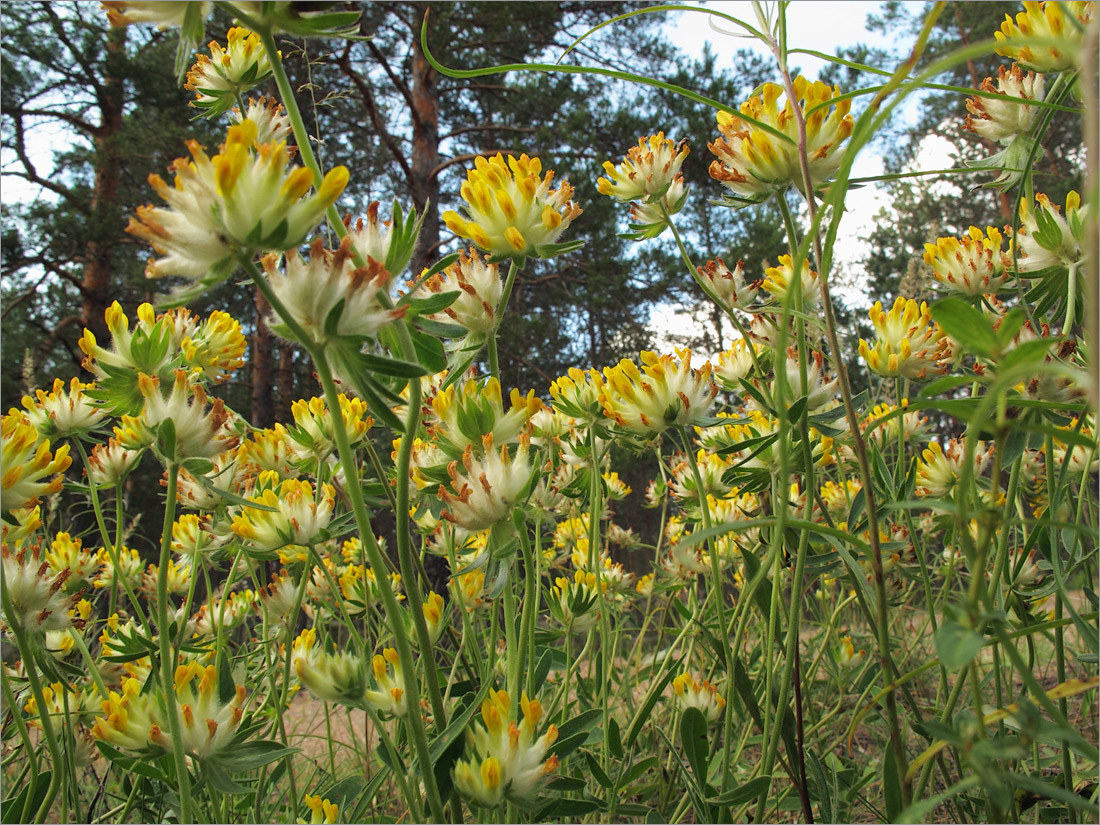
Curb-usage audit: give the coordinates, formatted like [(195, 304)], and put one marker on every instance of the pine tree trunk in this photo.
[(425, 156), (96, 291)]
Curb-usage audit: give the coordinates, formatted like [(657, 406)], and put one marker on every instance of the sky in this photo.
[(824, 27)]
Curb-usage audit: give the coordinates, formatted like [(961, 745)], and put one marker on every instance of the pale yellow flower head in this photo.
[(512, 211), (228, 72), (488, 487), (26, 462), (753, 163), (479, 287), (730, 286), (648, 169), (328, 295), (1000, 118), (973, 265), (1049, 238), (665, 392), (702, 696), (244, 198), (908, 343), (61, 413), (1045, 20), (505, 759)]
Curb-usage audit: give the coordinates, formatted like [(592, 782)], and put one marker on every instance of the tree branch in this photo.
[(367, 94)]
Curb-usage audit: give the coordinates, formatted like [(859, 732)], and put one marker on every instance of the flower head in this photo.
[(512, 212), (322, 811), (180, 426), (390, 695), (488, 487), (37, 593), (1003, 115), (328, 295), (330, 675), (574, 601), (909, 343), (244, 198), (312, 436), (59, 413), (778, 280), (272, 122), (973, 265), (26, 461), (506, 760), (479, 289), (1047, 21), (299, 516), (650, 173), (1048, 238), (228, 72), (754, 162), (648, 169), (665, 392), (729, 285), (703, 697), (461, 418)]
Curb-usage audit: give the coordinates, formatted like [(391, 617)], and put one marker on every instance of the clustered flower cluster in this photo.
[(265, 523)]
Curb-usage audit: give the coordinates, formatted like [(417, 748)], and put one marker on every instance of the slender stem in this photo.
[(393, 611), (26, 652), (167, 663), (112, 547), (498, 316)]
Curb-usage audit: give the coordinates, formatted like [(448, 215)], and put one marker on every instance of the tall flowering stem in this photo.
[(167, 655), (362, 520), (30, 668), (491, 345), (408, 352), (889, 671)]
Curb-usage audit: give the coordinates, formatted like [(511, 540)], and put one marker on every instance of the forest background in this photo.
[(409, 133)]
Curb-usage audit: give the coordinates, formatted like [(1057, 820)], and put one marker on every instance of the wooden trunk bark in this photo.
[(425, 156), (96, 286)]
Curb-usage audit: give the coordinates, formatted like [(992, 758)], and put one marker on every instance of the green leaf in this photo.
[(742, 793), (636, 770), (226, 687), (561, 808), (891, 786), (391, 366), (248, 756), (614, 740), (693, 736), (429, 351), (1028, 352), (582, 722), (13, 806), (966, 325), (433, 304), (597, 772), (220, 780), (956, 645)]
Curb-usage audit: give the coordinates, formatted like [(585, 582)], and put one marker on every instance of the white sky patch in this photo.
[(824, 27)]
